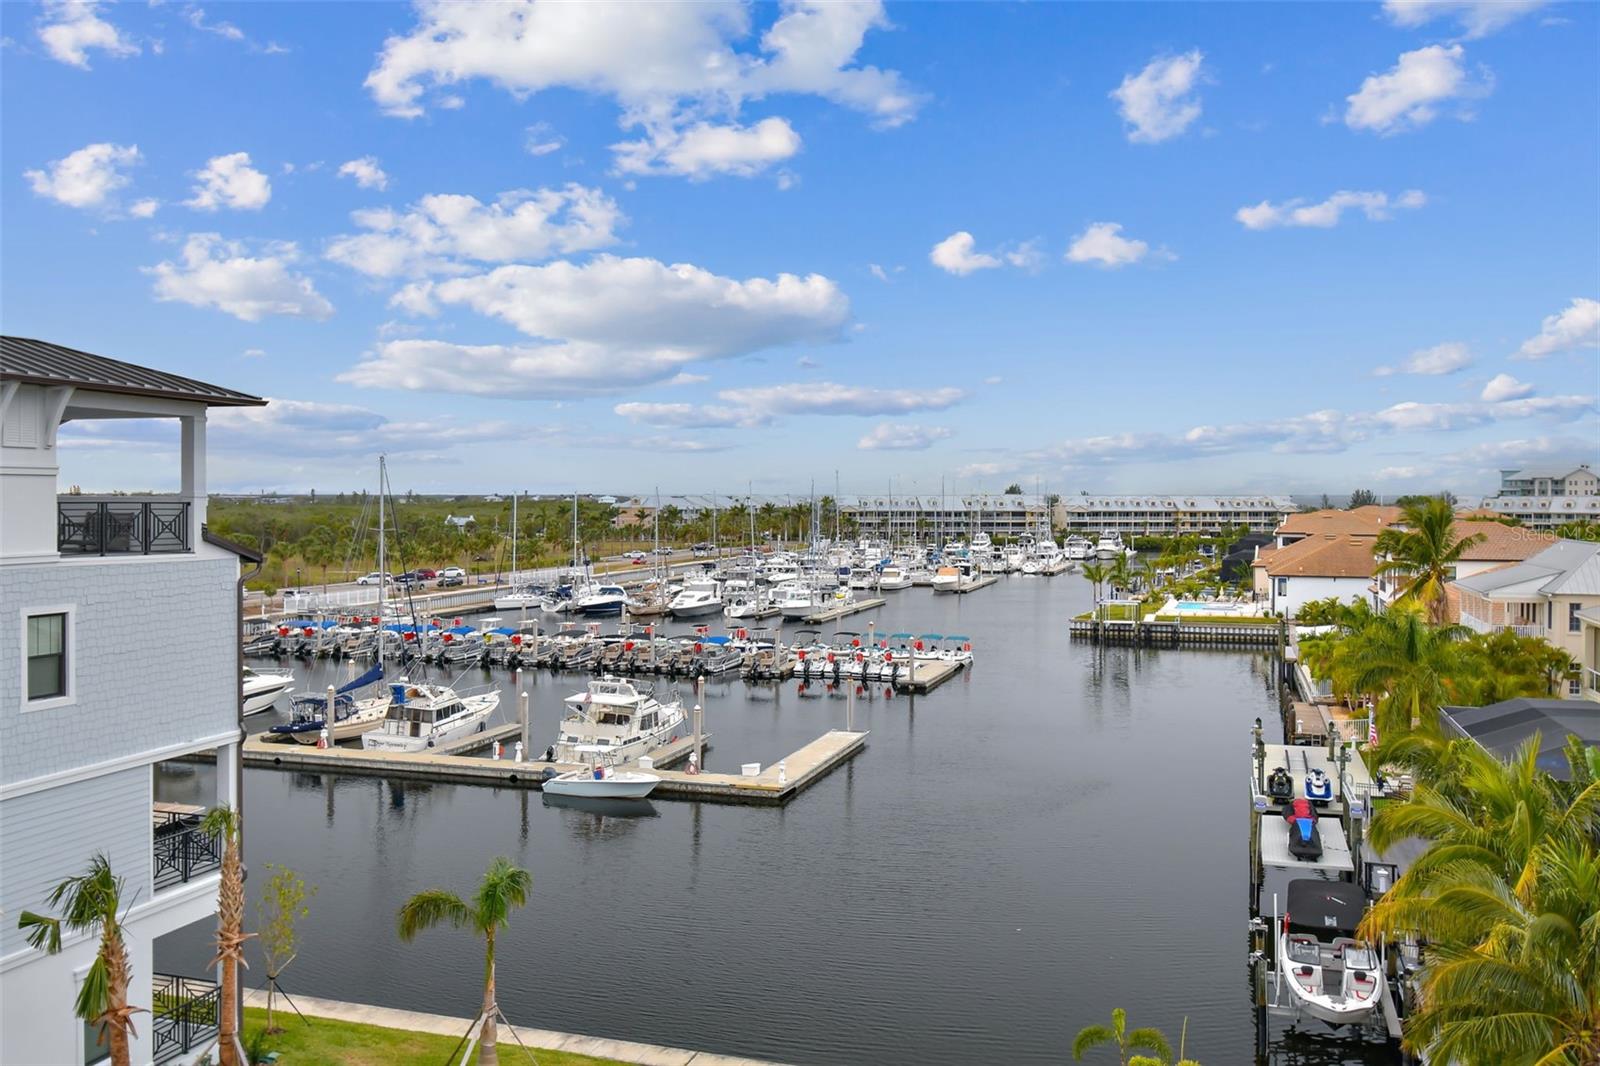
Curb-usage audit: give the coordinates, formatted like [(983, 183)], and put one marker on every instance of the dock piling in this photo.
[(526, 741), (699, 696)]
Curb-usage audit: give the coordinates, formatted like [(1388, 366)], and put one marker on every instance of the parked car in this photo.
[(450, 581), (664, 550), (636, 558), (453, 571), (425, 573), (705, 547), (373, 578)]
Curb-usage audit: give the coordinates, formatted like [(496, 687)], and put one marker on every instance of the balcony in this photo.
[(182, 850), (183, 1016), (122, 525)]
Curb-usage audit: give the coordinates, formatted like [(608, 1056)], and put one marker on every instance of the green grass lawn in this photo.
[(333, 1043)]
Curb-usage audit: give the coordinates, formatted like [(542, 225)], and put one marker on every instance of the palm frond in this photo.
[(427, 909), (1091, 1036)]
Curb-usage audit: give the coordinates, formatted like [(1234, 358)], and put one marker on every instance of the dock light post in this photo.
[(526, 742), (699, 697)]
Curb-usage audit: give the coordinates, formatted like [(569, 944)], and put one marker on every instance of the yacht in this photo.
[(1079, 548), (423, 716), (261, 690), (746, 603), (597, 601), (946, 579), (893, 577), (1334, 980), (700, 596), (615, 721), (526, 598), (1109, 546), (796, 599)]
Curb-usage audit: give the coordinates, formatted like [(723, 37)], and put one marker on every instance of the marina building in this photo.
[(1544, 500), (99, 706), (1165, 516), (929, 518)]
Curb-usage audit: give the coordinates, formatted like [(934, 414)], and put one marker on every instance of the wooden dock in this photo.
[(777, 783), (927, 675), (964, 587), (853, 607), (1268, 633)]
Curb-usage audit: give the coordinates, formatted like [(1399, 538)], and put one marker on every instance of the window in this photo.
[(1283, 586), (47, 656), (1573, 625), (95, 1047)]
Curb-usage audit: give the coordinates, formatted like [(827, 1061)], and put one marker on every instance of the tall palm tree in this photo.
[(503, 887), (1121, 573), (1117, 1034), (222, 823), (90, 902), (1095, 574), (1409, 666), (1424, 550)]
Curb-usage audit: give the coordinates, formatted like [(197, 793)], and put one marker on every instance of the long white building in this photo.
[(1165, 516), (928, 518), (1546, 499), (98, 698)]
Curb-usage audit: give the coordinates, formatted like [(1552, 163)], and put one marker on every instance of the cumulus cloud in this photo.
[(223, 275), (366, 172), (1158, 103), (830, 398), (672, 68), (87, 178), (145, 208), (1446, 358), (1505, 387), (607, 324), (1478, 18), (899, 436), (443, 232), (1103, 244), (691, 415), (1411, 94), (1376, 206), (71, 29), (955, 255), (705, 150), (541, 139), (230, 181), (1578, 326)]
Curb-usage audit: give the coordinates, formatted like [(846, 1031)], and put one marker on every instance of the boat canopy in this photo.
[(503, 631), (958, 636), (899, 636), (461, 631), (407, 627), (370, 677), (715, 640), (931, 636), (306, 623), (1325, 906)]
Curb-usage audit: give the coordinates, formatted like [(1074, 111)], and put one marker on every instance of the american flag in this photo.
[(1372, 730)]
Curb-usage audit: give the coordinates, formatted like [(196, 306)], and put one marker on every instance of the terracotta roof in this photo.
[(1369, 520), (42, 363), (1329, 555), (1502, 543)]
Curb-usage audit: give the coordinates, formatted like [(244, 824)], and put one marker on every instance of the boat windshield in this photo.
[(1305, 950)]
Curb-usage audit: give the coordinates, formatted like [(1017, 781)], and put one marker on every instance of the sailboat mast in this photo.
[(383, 574), (513, 537)]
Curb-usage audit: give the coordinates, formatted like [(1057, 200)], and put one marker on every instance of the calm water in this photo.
[(1061, 831)]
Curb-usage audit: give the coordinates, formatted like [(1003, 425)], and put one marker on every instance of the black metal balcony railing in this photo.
[(124, 526), (183, 1014), (184, 853)]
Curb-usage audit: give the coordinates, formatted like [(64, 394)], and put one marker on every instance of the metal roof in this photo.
[(1501, 727), (1566, 568), (42, 363)]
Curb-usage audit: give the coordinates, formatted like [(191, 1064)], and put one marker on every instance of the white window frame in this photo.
[(70, 611)]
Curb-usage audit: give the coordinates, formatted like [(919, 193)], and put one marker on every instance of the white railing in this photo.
[(1591, 680)]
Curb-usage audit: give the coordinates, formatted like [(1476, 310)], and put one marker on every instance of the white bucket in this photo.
[(751, 769)]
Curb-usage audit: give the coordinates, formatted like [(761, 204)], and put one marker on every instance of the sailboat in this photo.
[(526, 597), (351, 716)]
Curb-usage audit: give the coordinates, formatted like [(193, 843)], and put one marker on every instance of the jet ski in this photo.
[(1319, 787), (1280, 786), (1304, 840)]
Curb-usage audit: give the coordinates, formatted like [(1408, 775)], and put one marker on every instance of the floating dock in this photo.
[(775, 785), (927, 675), (964, 587), (1268, 633), (853, 607)]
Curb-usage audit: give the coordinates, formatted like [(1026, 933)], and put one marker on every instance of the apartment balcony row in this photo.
[(123, 525)]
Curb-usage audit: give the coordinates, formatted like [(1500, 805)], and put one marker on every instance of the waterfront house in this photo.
[(1546, 499), (1542, 596), (1366, 521), (1500, 546), (1328, 565), (124, 660)]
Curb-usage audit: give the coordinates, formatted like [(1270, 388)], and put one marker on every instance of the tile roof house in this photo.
[(1369, 521), (1317, 567), (1542, 596)]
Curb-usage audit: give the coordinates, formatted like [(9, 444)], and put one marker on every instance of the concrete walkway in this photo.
[(538, 1039)]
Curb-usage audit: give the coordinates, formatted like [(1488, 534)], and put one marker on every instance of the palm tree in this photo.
[(1145, 1039), (1424, 552), (1514, 665), (1121, 574), (1095, 574), (90, 902), (504, 886), (222, 823), (1410, 667)]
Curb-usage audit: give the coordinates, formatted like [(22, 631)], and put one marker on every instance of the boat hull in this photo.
[(696, 610), (474, 720), (616, 786)]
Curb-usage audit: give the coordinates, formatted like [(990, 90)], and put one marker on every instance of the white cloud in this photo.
[(87, 178), (1158, 102), (690, 415), (608, 324), (1410, 95), (70, 29), (253, 353), (223, 275), (197, 19), (1446, 358), (366, 172), (1503, 387), (830, 398), (669, 66), (1377, 206), (899, 436), (1025, 256), (1478, 18), (1102, 243), (541, 139), (441, 232), (1576, 327), (145, 208), (704, 150), (230, 181), (954, 255)]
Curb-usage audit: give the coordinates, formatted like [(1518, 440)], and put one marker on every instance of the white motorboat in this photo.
[(700, 596), (1109, 546), (946, 579), (527, 598), (1335, 980), (599, 600), (261, 690), (603, 782), (893, 577), (423, 716), (796, 600), (746, 603), (1078, 548), (615, 721)]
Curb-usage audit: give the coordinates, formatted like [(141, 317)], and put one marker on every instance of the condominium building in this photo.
[(98, 713), (1165, 516), (929, 518), (1544, 500)]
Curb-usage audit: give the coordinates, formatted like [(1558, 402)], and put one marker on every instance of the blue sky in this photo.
[(1137, 247)]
